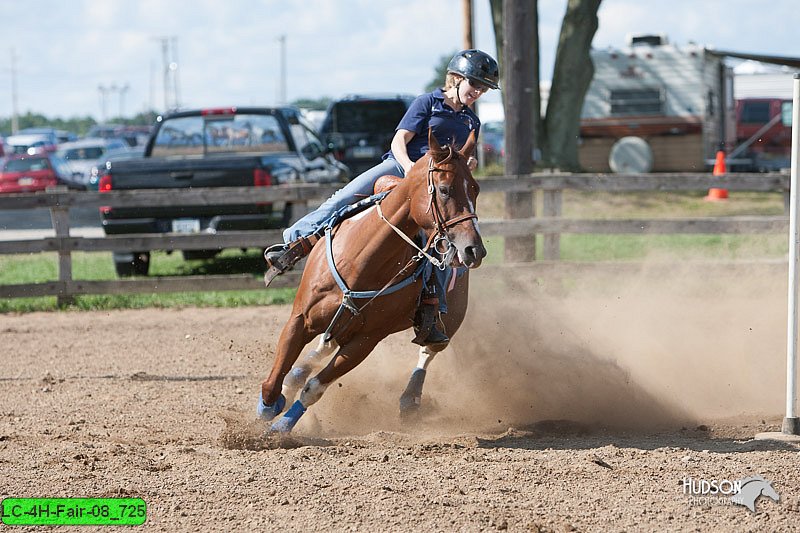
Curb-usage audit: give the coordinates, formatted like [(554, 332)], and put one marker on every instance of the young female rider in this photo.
[(470, 74)]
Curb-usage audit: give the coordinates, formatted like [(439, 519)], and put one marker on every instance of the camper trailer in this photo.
[(653, 106)]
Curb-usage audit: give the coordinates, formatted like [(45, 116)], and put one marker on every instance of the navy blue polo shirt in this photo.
[(449, 126)]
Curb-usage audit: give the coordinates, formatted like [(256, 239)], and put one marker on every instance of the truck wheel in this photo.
[(287, 220), (132, 264), (189, 255)]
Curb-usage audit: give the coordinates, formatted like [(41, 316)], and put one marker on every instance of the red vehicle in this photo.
[(29, 173), (763, 133)]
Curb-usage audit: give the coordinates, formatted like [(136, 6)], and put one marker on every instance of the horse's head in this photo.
[(447, 211)]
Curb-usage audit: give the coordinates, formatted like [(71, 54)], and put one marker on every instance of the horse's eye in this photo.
[(444, 191)]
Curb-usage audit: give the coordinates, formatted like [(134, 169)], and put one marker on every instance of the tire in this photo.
[(190, 255), (630, 155), (133, 264), (288, 214)]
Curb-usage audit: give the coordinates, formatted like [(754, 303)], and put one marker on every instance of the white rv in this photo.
[(653, 106)]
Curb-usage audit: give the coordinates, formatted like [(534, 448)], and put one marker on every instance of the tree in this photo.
[(557, 135), (572, 75)]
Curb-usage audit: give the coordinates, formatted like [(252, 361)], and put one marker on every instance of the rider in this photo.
[(470, 74)]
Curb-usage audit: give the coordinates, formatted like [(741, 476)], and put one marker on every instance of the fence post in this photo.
[(519, 84), (552, 208), (60, 217)]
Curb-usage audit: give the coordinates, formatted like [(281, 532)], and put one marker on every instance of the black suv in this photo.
[(359, 129)]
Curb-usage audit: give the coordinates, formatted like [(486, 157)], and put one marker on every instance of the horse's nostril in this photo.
[(475, 253)]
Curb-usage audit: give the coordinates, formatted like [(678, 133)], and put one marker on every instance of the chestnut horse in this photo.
[(363, 281)]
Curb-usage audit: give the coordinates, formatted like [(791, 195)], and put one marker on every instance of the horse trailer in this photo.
[(654, 106)]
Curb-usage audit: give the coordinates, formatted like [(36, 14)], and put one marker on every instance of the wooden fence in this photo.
[(550, 224)]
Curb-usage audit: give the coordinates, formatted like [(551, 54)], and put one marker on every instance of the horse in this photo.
[(752, 488), (375, 253)]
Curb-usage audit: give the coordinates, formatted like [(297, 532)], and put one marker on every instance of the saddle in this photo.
[(386, 183), (287, 256)]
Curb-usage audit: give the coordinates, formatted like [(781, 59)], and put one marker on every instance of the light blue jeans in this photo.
[(360, 187)]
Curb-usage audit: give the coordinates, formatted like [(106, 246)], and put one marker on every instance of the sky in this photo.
[(65, 54)]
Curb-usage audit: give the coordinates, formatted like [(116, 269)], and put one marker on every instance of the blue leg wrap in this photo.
[(410, 398), (268, 412), (289, 420)]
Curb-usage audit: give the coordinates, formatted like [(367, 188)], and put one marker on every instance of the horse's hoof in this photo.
[(268, 412), (290, 419), (409, 410), (281, 427)]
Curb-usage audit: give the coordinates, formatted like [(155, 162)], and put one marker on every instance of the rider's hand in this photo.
[(472, 163)]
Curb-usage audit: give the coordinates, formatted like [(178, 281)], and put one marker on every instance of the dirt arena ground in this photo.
[(556, 409)]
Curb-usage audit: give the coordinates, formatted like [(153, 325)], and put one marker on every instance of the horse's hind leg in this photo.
[(412, 396), (312, 361), (346, 359)]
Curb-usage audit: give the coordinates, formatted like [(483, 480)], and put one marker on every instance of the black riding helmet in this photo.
[(476, 66)]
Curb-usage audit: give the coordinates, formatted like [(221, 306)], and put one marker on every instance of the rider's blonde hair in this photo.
[(451, 80)]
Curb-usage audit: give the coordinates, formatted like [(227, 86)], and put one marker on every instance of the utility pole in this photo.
[(467, 13), (169, 71), (165, 60), (103, 94), (122, 90), (14, 104), (282, 90), (151, 103), (173, 66)]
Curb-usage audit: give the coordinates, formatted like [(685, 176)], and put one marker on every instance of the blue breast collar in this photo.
[(348, 294)]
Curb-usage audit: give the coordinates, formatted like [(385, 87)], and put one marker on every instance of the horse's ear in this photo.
[(469, 147), (433, 144)]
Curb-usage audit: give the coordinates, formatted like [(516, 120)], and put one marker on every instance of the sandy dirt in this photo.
[(559, 407)]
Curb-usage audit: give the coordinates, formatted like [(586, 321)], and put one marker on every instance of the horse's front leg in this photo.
[(291, 342), (347, 358), (412, 396), (310, 362)]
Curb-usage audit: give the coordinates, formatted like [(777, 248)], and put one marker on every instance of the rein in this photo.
[(437, 238)]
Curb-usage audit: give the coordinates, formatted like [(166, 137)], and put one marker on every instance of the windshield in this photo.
[(219, 134), (367, 116), (26, 165), (81, 154)]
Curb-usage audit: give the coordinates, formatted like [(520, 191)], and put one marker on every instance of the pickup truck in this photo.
[(220, 147)]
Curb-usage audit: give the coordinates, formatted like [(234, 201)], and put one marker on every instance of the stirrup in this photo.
[(427, 329), (281, 258)]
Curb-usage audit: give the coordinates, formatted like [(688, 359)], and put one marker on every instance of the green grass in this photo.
[(38, 268)]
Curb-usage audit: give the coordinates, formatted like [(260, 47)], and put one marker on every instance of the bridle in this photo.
[(440, 237), (439, 241)]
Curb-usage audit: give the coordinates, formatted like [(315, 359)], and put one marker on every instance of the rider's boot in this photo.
[(426, 325), (282, 257)]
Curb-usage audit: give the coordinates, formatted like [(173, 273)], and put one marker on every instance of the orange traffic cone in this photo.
[(716, 195)]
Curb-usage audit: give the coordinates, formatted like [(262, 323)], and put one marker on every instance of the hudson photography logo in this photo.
[(709, 492)]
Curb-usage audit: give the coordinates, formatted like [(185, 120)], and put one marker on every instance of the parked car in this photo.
[(50, 133), (492, 143), (103, 166), (359, 129), (202, 149), (66, 136), (29, 143), (133, 135), (30, 173), (86, 154)]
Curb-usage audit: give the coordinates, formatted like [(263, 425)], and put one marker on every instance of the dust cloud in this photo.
[(616, 346)]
